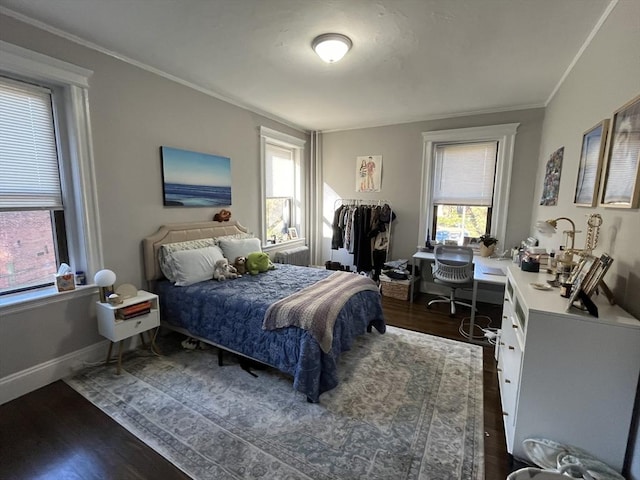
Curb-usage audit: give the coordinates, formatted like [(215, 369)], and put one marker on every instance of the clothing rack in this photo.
[(358, 202)]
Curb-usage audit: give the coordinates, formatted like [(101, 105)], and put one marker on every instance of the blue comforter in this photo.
[(230, 314)]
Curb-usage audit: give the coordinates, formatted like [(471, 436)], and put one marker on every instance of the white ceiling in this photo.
[(411, 59)]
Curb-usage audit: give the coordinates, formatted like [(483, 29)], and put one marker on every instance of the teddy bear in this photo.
[(258, 262), (222, 216), (241, 265), (222, 270)]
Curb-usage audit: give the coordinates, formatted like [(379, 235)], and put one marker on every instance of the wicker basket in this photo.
[(399, 289)]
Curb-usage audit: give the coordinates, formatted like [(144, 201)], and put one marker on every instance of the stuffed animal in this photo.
[(241, 265), (258, 262), (222, 216), (222, 270)]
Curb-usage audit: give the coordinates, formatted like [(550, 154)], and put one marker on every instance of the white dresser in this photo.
[(566, 376)]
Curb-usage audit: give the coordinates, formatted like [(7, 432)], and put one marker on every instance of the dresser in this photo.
[(565, 375)]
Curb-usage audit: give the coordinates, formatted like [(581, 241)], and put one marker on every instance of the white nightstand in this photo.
[(113, 326)]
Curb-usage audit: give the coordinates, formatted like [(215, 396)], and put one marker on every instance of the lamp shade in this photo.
[(104, 278), (546, 226), (331, 47)]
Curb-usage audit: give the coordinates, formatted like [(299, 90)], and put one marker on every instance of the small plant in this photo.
[(487, 240)]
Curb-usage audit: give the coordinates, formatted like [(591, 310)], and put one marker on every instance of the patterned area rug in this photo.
[(409, 406)]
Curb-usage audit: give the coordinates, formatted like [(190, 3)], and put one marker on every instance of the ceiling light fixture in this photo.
[(331, 47)]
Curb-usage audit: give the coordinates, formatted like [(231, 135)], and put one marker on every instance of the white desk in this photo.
[(478, 276)]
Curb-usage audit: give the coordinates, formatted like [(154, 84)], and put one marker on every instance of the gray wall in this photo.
[(605, 78), (133, 113), (401, 149)]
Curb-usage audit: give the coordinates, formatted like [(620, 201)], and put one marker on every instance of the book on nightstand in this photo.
[(132, 311)]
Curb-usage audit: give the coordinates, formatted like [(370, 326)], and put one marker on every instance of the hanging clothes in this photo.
[(364, 231)]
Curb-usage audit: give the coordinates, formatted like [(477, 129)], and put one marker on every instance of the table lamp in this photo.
[(105, 280), (550, 226), (566, 258)]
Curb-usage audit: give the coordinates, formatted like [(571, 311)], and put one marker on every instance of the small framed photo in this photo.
[(621, 187), (578, 276), (590, 167), (589, 274), (293, 233)]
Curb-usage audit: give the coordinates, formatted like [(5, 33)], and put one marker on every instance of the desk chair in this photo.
[(453, 268)]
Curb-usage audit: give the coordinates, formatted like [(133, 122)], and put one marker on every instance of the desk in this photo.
[(478, 276)]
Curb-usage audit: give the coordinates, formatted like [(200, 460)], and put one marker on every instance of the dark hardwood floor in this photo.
[(54, 433)]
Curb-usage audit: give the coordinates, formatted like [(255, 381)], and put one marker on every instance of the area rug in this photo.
[(408, 406)]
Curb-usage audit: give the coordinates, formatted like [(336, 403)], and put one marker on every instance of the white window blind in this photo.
[(29, 176), (280, 171), (464, 173)]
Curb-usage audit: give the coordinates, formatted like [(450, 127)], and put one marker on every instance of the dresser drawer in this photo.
[(119, 330)]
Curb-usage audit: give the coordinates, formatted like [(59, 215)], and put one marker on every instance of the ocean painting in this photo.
[(192, 179)]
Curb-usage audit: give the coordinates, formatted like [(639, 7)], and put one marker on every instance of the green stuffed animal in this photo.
[(258, 262)]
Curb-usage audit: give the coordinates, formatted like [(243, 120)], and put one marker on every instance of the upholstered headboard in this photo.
[(181, 232)]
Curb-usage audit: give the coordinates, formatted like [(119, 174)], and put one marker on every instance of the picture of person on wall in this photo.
[(368, 173)]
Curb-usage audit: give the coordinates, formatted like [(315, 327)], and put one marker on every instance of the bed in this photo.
[(232, 314)]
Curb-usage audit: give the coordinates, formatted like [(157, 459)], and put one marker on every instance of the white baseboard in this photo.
[(25, 381)]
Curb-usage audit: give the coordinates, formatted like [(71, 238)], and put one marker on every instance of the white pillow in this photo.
[(232, 236), (193, 266), (239, 247), (165, 252)]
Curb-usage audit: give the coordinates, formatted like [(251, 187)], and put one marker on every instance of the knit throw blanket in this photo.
[(316, 307)]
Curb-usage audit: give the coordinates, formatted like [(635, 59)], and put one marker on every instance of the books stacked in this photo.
[(132, 311)]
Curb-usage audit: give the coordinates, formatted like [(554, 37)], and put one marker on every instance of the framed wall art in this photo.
[(552, 178), (591, 160), (192, 179), (621, 187), (368, 173)]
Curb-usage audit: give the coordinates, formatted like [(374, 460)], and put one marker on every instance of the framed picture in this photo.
[(598, 268), (293, 233), (192, 179), (589, 274), (583, 265), (591, 158), (622, 172), (552, 178), (368, 173), (578, 276)]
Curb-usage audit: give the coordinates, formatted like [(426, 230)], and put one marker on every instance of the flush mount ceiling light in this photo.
[(331, 47)]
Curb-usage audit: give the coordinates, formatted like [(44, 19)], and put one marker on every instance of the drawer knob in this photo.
[(505, 413), (499, 369), (138, 323), (502, 344), (504, 316), (511, 347), (506, 380), (514, 325)]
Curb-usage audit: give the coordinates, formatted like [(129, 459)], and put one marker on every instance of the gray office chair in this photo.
[(453, 268)]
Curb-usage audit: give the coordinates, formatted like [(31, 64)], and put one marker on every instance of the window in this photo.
[(466, 176), (463, 180), (48, 207), (283, 196), (32, 230)]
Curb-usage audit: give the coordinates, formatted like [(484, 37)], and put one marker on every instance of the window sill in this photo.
[(278, 246), (44, 296)]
